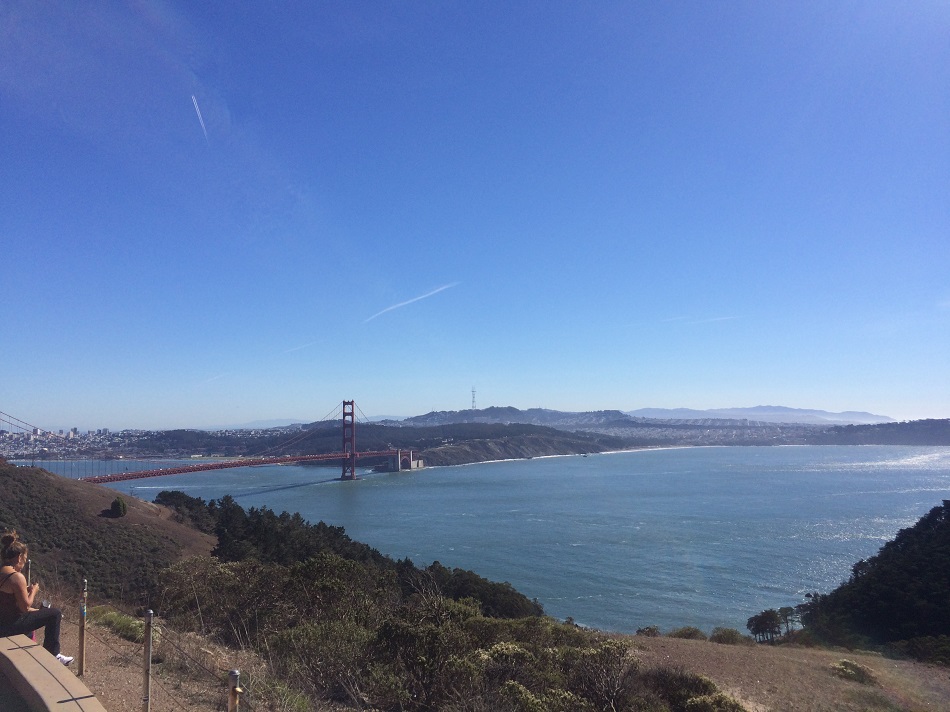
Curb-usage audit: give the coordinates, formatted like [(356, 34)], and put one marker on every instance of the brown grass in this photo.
[(795, 679)]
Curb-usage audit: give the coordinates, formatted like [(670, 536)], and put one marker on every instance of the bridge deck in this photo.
[(241, 462)]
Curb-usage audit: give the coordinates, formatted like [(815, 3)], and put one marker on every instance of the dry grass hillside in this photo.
[(797, 679), (72, 535)]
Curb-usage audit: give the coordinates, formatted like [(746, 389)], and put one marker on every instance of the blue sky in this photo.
[(222, 212)]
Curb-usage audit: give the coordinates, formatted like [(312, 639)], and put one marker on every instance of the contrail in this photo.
[(200, 120), (410, 301), (715, 318), (299, 348)]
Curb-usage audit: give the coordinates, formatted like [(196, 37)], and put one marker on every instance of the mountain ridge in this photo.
[(767, 414), (600, 418)]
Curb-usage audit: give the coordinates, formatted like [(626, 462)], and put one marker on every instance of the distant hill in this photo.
[(257, 425), (507, 415), (915, 432), (576, 420), (765, 414)]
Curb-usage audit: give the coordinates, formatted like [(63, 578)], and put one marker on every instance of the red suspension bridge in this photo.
[(397, 459)]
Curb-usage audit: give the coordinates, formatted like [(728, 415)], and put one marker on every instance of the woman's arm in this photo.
[(23, 594)]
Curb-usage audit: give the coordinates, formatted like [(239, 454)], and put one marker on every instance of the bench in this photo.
[(44, 683)]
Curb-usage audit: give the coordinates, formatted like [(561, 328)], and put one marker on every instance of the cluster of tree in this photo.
[(260, 534), (897, 598), (768, 625)]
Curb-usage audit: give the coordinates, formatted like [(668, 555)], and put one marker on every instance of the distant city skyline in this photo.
[(217, 214)]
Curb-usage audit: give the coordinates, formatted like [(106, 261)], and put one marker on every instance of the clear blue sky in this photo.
[(214, 213)]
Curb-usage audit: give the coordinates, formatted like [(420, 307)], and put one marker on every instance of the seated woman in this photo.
[(17, 614)]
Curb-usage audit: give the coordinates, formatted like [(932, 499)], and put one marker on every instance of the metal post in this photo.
[(82, 628), (29, 582), (234, 690), (147, 682)]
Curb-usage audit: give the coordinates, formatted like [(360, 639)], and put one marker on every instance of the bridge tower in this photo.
[(349, 441)]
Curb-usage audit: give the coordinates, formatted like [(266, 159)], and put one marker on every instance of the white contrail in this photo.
[(715, 318), (410, 301), (299, 348), (215, 378), (200, 120)]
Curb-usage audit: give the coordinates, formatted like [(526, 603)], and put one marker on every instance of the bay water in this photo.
[(672, 537)]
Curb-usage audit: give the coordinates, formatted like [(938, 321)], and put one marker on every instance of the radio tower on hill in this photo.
[(473, 397)]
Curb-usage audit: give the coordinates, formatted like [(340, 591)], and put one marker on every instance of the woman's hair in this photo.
[(11, 548)]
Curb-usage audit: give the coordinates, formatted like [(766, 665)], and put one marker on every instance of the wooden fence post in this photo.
[(234, 690)]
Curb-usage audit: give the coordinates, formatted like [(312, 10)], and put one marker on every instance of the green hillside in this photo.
[(899, 597)]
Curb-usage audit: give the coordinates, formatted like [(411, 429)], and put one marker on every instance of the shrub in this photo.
[(717, 702), (651, 631), (119, 507), (688, 633), (805, 638), (602, 674), (676, 686), (929, 649), (124, 626), (850, 670), (729, 636)]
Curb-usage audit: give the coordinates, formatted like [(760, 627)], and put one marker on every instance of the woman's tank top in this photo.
[(9, 611)]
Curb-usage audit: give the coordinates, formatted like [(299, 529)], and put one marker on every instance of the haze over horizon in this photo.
[(214, 214)]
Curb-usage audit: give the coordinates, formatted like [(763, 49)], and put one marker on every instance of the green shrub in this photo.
[(119, 507), (676, 687), (688, 633), (651, 631), (805, 638), (602, 674), (850, 670), (729, 636), (124, 626), (929, 649)]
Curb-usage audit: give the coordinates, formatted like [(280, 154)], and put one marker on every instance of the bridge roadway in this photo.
[(241, 462)]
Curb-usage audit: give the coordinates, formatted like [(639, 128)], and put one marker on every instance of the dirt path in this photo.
[(114, 673)]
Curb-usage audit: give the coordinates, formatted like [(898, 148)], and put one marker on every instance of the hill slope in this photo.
[(71, 535), (899, 595)]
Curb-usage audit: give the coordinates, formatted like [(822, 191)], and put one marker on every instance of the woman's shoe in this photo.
[(64, 659)]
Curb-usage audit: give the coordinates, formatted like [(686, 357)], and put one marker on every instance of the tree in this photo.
[(118, 508), (789, 617), (765, 626)]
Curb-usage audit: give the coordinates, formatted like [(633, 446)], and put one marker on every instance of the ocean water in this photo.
[(692, 536)]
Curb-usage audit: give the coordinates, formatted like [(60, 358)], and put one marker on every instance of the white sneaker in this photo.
[(64, 659)]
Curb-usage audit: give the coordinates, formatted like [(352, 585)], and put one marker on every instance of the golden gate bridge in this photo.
[(398, 459)]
